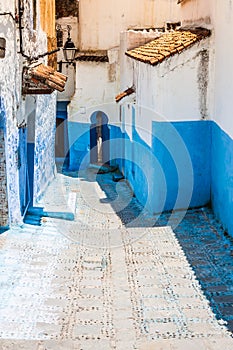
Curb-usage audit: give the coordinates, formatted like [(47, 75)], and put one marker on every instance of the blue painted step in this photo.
[(4, 229), (34, 215)]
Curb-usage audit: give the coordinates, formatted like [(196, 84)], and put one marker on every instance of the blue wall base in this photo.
[(222, 177), (188, 165)]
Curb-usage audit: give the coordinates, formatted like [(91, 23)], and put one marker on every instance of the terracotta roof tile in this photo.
[(125, 93), (41, 79), (167, 45)]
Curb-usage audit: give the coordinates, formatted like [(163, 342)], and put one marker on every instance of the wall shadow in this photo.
[(207, 247)]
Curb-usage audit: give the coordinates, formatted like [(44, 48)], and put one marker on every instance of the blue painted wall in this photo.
[(190, 164), (117, 147), (222, 177), (175, 171), (79, 141), (183, 151)]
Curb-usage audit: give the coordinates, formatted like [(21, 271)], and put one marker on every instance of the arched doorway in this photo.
[(99, 138)]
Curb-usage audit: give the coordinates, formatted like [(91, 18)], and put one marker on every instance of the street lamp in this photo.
[(69, 50)]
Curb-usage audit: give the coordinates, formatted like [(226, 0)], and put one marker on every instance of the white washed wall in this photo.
[(96, 87), (10, 93), (34, 43), (101, 21), (128, 41), (173, 90), (100, 25), (197, 11), (223, 75), (220, 16), (44, 165)]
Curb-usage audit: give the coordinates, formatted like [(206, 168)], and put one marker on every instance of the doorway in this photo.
[(99, 139), (61, 141)]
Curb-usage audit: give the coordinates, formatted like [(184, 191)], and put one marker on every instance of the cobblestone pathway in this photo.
[(111, 279)]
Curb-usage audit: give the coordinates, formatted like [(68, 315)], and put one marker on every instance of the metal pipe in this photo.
[(21, 51), (8, 14), (46, 54)]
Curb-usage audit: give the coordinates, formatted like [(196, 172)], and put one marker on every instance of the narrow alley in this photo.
[(115, 277), (116, 175)]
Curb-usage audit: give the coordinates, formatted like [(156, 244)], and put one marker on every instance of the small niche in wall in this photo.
[(2, 47)]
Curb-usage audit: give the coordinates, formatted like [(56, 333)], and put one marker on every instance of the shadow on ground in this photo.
[(208, 248)]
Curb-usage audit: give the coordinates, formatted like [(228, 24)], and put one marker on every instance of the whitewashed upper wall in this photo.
[(175, 90), (101, 21), (128, 41), (223, 76), (220, 16), (95, 90), (166, 11), (196, 11)]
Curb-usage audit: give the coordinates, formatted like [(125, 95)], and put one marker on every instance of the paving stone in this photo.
[(110, 279)]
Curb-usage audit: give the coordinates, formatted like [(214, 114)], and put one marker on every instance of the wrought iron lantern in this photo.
[(69, 49)]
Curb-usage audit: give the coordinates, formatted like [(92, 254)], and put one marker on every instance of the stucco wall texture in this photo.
[(44, 161), (18, 109)]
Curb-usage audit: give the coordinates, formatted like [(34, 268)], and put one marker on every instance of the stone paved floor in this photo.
[(111, 279)]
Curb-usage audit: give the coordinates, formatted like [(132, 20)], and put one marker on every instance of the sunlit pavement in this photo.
[(115, 277)]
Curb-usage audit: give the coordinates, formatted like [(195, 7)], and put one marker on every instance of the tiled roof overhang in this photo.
[(168, 45), (41, 79), (125, 93), (94, 56)]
